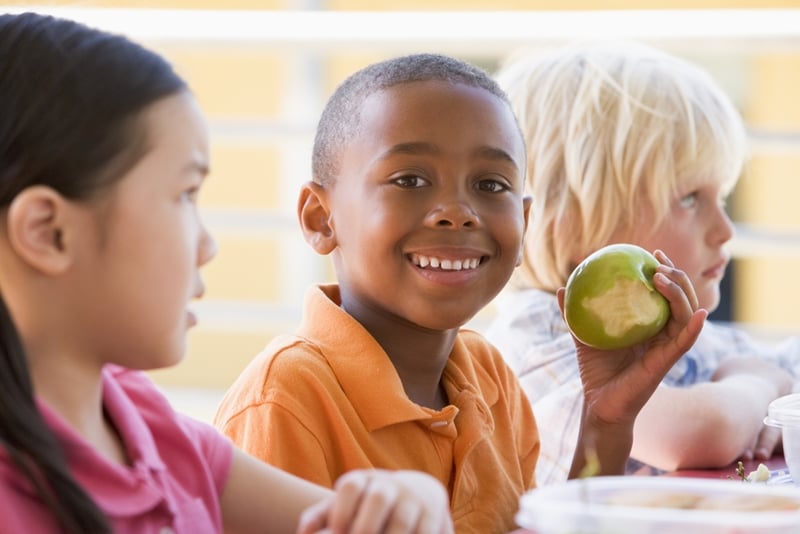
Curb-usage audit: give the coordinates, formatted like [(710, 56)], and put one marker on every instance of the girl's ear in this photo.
[(36, 229), (314, 215)]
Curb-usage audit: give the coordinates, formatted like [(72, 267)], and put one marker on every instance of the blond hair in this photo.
[(612, 130)]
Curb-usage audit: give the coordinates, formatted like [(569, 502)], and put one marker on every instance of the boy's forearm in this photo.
[(602, 448)]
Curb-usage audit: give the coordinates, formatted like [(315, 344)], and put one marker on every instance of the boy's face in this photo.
[(693, 235), (427, 212)]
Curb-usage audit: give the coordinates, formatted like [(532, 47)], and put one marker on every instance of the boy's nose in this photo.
[(455, 214), (723, 229)]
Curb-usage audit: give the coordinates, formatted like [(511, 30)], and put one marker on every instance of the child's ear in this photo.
[(314, 215), (527, 201), (36, 230)]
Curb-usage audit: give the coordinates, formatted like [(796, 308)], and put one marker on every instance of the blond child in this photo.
[(417, 194), (629, 144), (103, 151)]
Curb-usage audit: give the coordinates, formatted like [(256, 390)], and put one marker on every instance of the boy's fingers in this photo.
[(663, 258), (768, 440)]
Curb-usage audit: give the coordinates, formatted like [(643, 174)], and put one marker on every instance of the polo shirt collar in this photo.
[(366, 373), (118, 490)]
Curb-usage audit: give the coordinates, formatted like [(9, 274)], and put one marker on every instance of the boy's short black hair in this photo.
[(341, 117)]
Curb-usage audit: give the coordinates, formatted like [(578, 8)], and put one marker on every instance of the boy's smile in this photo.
[(427, 211)]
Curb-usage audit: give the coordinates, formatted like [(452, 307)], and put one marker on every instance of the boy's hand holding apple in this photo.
[(617, 382)]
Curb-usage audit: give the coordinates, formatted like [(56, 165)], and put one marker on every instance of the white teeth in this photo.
[(444, 264)]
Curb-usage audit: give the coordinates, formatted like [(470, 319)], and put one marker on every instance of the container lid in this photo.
[(659, 504), (784, 411)]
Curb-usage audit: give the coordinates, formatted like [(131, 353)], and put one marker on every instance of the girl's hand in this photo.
[(377, 501), (618, 383)]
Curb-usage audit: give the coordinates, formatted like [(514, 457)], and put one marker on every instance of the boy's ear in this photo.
[(36, 230), (314, 215), (527, 201)]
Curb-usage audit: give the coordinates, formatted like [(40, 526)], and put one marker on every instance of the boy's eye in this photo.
[(492, 186), (410, 181), (689, 201)]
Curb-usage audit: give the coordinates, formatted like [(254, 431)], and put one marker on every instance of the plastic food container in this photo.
[(660, 505), (784, 413)]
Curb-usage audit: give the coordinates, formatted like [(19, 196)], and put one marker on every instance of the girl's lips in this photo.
[(191, 319)]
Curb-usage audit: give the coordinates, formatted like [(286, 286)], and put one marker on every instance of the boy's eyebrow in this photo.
[(411, 148), (490, 152), (487, 152)]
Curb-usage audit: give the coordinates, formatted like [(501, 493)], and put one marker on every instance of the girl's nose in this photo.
[(207, 246)]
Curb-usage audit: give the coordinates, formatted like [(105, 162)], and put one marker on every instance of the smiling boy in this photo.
[(417, 194)]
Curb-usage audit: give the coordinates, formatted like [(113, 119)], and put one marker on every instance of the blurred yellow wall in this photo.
[(242, 85)]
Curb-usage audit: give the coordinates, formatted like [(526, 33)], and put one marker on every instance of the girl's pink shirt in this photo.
[(178, 467)]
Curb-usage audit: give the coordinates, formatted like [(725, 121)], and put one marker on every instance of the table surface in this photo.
[(776, 463)]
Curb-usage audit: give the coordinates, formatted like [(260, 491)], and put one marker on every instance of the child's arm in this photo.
[(715, 423), (382, 501), (260, 498), (618, 383)]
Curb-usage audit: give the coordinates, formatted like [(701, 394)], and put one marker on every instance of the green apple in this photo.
[(610, 300)]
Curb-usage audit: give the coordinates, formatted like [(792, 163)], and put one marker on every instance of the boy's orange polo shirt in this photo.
[(328, 400)]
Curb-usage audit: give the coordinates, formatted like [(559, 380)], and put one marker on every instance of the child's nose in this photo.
[(207, 246), (723, 230), (454, 214)]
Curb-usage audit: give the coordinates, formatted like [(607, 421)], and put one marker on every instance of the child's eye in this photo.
[(409, 181), (689, 201), (191, 194), (492, 186)]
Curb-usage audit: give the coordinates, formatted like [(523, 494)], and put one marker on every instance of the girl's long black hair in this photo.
[(70, 98)]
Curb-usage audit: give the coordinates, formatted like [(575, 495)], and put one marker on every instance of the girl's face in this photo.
[(694, 234), (141, 264)]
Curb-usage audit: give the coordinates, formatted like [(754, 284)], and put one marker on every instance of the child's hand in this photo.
[(618, 383), (378, 501), (763, 382), (756, 366)]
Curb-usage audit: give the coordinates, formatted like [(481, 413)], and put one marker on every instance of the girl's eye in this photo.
[(410, 181), (191, 194), (689, 201), (492, 186)]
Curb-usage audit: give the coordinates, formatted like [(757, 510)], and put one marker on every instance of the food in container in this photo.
[(660, 505)]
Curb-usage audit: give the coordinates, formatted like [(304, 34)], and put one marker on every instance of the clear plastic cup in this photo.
[(784, 413)]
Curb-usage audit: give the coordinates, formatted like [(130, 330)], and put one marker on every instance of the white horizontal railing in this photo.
[(489, 33)]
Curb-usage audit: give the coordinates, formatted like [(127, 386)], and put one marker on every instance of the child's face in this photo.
[(147, 242), (693, 235), (427, 210)]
